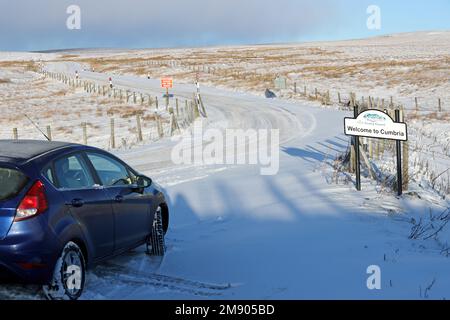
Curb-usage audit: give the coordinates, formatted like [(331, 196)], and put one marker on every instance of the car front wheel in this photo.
[(156, 243), (69, 275)]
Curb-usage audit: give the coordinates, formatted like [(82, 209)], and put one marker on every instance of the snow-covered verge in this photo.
[(29, 99), (301, 234)]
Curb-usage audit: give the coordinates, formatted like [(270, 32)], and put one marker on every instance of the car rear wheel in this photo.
[(69, 275), (156, 243)]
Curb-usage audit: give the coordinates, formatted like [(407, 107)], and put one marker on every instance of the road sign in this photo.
[(379, 125), (376, 124), (280, 83), (167, 83)]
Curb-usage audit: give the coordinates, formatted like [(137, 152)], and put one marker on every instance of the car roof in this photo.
[(23, 150)]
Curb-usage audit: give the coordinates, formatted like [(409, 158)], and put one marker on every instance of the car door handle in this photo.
[(77, 203), (118, 199)]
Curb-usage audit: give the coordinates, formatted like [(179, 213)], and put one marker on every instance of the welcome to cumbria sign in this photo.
[(376, 124)]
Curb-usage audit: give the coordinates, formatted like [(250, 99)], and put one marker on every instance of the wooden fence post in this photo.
[(84, 128), (49, 133), (405, 158), (377, 149), (15, 134), (202, 106), (159, 125), (173, 122), (352, 159), (339, 98), (139, 128), (196, 108), (439, 105), (405, 167), (113, 138)]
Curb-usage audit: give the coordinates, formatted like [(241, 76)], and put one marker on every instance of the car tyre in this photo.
[(156, 245), (69, 275)]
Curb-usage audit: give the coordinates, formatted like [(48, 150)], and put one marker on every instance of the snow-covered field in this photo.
[(301, 234)]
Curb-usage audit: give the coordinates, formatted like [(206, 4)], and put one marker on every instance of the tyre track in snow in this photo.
[(126, 275)]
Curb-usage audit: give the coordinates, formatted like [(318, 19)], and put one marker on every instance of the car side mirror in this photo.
[(143, 182)]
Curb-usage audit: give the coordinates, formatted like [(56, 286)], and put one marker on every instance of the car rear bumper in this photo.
[(29, 253)]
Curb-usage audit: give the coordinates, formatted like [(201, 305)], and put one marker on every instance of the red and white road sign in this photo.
[(167, 83)]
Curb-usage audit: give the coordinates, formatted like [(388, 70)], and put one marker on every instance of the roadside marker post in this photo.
[(379, 125), (197, 85)]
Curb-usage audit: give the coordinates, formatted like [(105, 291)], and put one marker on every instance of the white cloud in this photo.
[(175, 22)]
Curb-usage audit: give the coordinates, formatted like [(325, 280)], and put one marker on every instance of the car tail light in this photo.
[(34, 203)]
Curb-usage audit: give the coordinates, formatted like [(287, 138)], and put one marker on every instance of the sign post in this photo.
[(357, 154), (167, 83), (399, 159), (280, 83), (378, 125)]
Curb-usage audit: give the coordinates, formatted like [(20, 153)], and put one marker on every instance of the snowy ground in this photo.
[(301, 234)]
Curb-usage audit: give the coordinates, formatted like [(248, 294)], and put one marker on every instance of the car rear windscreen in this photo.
[(11, 183)]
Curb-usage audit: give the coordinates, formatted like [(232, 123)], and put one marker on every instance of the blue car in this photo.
[(65, 207)]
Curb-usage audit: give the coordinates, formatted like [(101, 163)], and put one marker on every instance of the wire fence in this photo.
[(167, 118)]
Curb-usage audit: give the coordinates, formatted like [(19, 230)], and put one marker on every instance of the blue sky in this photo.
[(41, 24)]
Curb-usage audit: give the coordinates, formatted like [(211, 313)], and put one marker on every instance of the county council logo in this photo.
[(374, 118)]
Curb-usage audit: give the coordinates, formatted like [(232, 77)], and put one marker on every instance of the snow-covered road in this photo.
[(236, 234)]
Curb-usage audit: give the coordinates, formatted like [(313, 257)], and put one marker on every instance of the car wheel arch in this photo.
[(74, 233)]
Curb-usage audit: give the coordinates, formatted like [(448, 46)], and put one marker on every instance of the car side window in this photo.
[(73, 173), (48, 173), (110, 171)]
